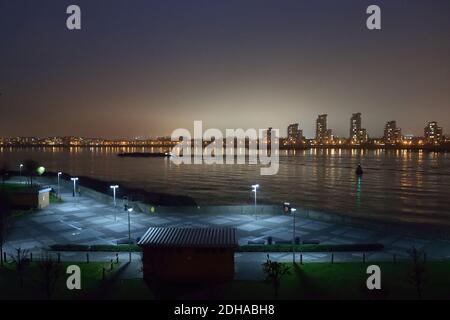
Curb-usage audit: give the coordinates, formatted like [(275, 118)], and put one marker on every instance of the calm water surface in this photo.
[(404, 185)]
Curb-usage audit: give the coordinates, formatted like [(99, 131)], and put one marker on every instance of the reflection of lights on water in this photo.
[(358, 191)]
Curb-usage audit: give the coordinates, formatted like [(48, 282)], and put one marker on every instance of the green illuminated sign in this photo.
[(40, 171)]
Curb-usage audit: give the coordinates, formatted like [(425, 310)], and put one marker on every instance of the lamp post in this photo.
[(20, 172), (59, 194), (129, 210), (114, 193), (254, 189), (293, 234), (114, 197), (74, 185)]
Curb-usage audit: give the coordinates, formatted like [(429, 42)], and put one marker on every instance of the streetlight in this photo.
[(254, 189), (74, 184), (114, 193), (59, 194), (20, 171), (293, 234), (114, 197), (287, 209), (129, 210)]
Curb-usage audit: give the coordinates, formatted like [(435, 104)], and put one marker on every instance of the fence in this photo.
[(111, 258)]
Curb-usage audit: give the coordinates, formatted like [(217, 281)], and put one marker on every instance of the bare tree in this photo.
[(5, 206), (274, 271), (30, 168), (21, 261), (51, 271), (418, 270), (4, 172)]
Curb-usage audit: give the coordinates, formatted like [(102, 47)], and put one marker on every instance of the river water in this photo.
[(400, 185)]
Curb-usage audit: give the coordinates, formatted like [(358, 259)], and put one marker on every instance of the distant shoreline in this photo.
[(442, 148)]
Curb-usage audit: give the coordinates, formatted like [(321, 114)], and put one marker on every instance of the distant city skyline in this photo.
[(148, 67), (392, 134), (322, 131)]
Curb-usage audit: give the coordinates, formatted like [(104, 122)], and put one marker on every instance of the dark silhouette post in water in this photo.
[(359, 171)]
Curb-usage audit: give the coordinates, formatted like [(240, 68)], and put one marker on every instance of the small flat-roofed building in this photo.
[(32, 197), (188, 254)]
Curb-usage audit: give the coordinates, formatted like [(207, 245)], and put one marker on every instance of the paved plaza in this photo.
[(84, 220)]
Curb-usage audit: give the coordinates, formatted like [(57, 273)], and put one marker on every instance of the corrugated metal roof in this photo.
[(191, 237)]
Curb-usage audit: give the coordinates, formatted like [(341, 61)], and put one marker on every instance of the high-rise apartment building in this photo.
[(323, 134), (357, 133), (294, 134), (392, 134), (433, 133)]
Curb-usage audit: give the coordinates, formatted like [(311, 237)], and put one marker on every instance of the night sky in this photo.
[(145, 68)]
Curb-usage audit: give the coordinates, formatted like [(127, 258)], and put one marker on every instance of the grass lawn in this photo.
[(129, 289), (308, 281), (347, 281), (92, 284), (323, 281), (17, 213), (13, 186), (54, 198)]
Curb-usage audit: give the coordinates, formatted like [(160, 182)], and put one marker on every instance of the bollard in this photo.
[(59, 257), (301, 258), (103, 273), (31, 256), (87, 257), (112, 265), (364, 257), (332, 258), (117, 258)]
